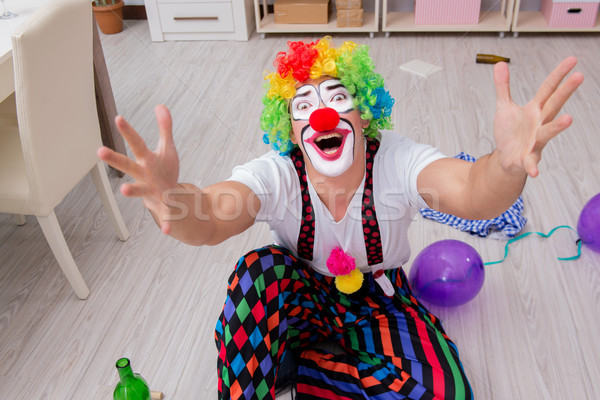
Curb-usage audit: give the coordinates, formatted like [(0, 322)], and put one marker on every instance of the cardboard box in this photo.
[(569, 14), (301, 11), (348, 4), (349, 18), (442, 12)]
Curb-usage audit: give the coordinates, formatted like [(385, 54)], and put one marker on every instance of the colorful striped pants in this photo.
[(393, 347)]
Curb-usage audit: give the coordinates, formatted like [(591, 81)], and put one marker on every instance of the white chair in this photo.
[(54, 144)]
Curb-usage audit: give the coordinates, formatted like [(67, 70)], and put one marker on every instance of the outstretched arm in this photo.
[(488, 187), (183, 211)]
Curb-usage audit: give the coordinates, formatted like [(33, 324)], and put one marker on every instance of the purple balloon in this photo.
[(447, 273), (588, 226)]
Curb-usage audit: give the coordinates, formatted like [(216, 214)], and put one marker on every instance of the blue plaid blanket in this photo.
[(507, 225)]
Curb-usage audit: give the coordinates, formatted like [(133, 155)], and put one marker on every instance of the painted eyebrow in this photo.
[(305, 90), (303, 94), (337, 85)]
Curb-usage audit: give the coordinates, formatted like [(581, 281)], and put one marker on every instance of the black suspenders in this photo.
[(371, 234)]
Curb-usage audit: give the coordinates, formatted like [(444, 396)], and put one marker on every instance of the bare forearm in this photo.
[(480, 190), (491, 189), (185, 217), (208, 216)]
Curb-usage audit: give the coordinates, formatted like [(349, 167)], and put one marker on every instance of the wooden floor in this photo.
[(531, 333)]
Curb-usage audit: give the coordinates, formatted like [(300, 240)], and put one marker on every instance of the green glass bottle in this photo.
[(131, 386)]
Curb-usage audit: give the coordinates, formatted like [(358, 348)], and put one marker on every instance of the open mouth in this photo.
[(330, 143)]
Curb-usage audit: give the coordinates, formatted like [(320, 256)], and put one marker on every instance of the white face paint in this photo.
[(330, 152), (331, 92)]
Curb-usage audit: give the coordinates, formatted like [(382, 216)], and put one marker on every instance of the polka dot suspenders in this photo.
[(372, 236), (369, 217)]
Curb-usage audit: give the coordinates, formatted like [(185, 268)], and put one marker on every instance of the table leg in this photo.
[(105, 101)]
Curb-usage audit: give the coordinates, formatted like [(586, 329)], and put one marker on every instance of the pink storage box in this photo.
[(440, 12), (570, 14)]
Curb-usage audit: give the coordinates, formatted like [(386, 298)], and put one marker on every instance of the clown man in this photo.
[(338, 193)]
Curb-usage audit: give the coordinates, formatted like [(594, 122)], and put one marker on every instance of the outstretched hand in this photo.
[(521, 133), (155, 173)]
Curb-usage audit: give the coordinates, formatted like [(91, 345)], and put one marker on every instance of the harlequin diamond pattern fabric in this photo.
[(393, 348)]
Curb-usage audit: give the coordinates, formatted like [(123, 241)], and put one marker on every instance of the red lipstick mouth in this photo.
[(329, 144)]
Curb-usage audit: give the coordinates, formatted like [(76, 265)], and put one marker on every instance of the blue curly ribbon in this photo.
[(575, 257)]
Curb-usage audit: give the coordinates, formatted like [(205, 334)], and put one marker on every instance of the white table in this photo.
[(24, 8), (107, 109)]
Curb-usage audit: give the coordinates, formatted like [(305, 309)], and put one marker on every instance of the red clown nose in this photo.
[(324, 119)]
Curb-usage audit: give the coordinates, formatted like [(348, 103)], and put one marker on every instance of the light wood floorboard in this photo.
[(531, 333)]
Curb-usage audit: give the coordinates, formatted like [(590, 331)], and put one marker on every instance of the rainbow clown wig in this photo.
[(350, 63)]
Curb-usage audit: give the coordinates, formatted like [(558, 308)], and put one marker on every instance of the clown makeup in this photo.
[(331, 92), (327, 133)]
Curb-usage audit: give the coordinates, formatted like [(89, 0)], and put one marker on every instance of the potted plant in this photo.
[(109, 15)]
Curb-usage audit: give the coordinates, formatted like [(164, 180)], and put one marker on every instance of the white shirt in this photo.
[(398, 162)]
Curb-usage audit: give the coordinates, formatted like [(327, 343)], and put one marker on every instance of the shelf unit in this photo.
[(267, 24), (199, 19), (534, 21), (489, 21)]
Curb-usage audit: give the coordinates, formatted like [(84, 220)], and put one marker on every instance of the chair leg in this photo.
[(61, 251), (108, 200), (20, 219)]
